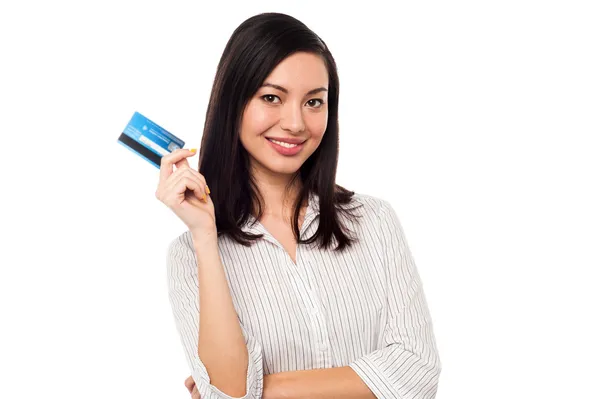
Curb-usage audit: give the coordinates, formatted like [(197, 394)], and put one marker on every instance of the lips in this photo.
[(285, 150)]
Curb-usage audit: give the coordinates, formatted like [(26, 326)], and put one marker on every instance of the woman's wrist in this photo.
[(204, 236), (205, 243)]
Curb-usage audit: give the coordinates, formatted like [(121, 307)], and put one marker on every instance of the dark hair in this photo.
[(254, 49)]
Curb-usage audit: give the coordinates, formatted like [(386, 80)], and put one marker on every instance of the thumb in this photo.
[(189, 383)]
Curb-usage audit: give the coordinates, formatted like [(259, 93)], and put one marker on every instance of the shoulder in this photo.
[(372, 205), (180, 251), (379, 214), (181, 272)]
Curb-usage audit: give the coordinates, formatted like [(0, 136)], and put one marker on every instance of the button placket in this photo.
[(317, 322), (310, 288), (322, 336), (309, 300), (320, 326), (312, 304), (310, 275)]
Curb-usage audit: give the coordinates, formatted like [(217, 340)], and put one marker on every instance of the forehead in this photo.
[(300, 71)]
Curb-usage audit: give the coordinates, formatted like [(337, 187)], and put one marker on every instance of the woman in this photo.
[(285, 282)]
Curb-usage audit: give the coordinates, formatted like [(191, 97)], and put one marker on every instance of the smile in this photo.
[(281, 143), (285, 148)]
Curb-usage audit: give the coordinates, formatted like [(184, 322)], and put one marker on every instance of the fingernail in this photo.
[(193, 150), (204, 198), (207, 190)]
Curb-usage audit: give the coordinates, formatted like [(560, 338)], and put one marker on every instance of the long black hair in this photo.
[(254, 49)]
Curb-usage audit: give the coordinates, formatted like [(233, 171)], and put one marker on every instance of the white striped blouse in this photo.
[(364, 307)]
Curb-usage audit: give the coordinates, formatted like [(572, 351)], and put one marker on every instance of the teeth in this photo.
[(286, 145)]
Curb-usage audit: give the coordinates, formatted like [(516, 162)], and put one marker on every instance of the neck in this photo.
[(277, 202), (278, 199)]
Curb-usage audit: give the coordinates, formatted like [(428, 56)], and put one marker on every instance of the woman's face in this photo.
[(291, 105)]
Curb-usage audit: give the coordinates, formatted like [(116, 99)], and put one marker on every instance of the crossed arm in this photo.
[(406, 365), (337, 382)]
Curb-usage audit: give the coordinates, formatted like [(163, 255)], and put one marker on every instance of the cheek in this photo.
[(258, 119), (317, 124)]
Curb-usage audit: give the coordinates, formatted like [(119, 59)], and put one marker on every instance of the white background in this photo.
[(478, 121)]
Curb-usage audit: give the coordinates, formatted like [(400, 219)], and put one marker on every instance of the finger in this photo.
[(195, 393), (167, 161), (176, 177), (182, 164), (185, 170), (189, 383), (193, 173), (173, 186), (186, 183)]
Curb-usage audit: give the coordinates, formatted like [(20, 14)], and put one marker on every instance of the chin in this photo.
[(287, 167)]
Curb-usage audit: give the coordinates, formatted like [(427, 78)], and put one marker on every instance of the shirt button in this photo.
[(323, 346)]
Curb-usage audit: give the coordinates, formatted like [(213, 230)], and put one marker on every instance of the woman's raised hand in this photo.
[(186, 193)]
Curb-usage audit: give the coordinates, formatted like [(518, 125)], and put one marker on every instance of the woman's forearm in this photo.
[(221, 345), (330, 383)]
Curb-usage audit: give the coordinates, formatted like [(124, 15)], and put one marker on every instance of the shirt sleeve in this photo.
[(408, 364), (182, 277)]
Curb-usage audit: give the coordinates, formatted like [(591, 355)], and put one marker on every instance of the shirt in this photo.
[(363, 307)]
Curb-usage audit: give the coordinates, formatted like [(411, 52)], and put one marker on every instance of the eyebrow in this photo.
[(283, 89)]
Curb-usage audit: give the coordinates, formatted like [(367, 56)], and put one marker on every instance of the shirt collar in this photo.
[(311, 212)]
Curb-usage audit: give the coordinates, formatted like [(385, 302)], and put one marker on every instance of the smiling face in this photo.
[(290, 106)]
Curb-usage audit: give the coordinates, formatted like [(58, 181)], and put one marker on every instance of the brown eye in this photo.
[(270, 98), (319, 104)]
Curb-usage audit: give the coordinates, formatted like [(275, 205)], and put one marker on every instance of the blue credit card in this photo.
[(148, 140)]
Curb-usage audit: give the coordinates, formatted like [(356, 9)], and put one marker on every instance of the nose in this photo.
[(291, 118)]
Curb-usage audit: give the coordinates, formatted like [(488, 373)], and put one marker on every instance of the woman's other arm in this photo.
[(226, 362)]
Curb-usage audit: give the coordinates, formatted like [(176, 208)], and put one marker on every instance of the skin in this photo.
[(291, 104), (296, 114), (293, 114)]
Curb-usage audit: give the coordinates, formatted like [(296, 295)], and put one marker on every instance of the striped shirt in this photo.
[(363, 307)]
